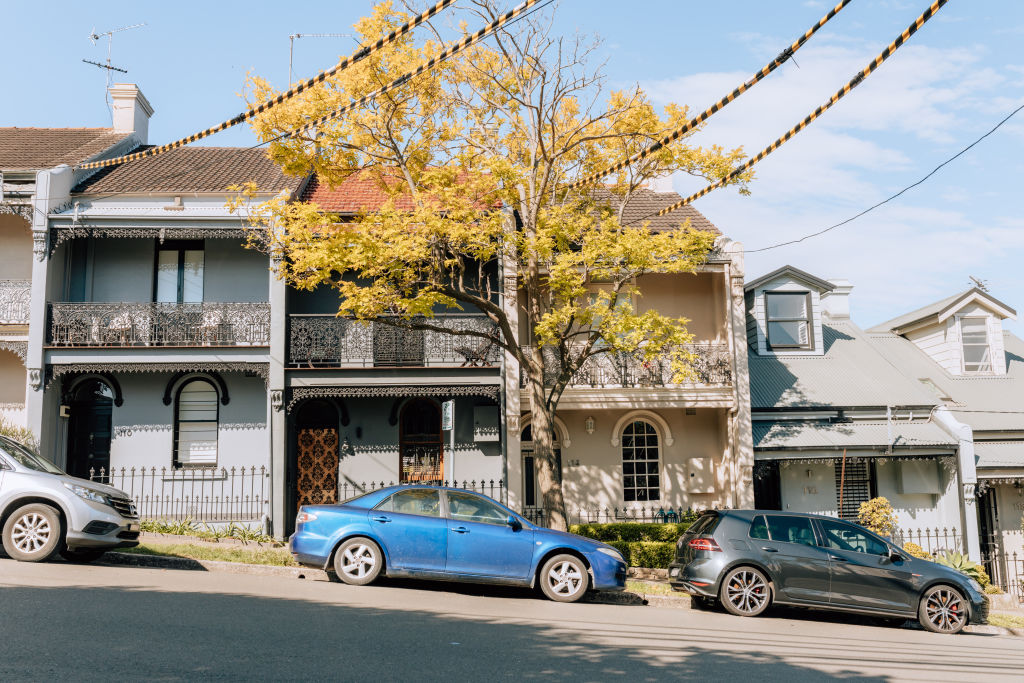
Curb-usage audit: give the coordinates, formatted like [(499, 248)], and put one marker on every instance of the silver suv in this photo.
[(44, 511)]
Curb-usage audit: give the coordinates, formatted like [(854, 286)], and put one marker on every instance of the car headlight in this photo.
[(87, 493), (975, 585), (612, 552)]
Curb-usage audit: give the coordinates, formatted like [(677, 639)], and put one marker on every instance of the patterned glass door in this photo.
[(318, 466)]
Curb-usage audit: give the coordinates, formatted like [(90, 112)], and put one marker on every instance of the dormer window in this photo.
[(789, 322), (977, 352)]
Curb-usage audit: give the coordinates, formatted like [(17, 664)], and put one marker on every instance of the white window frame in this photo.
[(988, 343), (808, 319)]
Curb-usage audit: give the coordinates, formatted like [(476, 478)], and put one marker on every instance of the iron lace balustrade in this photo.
[(15, 299), (159, 324), (712, 365), (329, 341)]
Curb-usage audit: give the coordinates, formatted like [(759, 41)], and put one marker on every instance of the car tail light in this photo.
[(704, 544), (304, 517)]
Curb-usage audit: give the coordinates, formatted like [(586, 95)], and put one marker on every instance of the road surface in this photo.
[(67, 622)]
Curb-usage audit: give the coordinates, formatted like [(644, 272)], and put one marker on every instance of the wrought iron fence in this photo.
[(159, 324), (932, 541), (330, 341), (1005, 570), (493, 488), (15, 300), (646, 515), (235, 494), (712, 365)]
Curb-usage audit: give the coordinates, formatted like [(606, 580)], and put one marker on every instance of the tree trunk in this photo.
[(542, 425)]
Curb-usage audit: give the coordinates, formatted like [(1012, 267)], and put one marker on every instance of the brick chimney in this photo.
[(132, 110)]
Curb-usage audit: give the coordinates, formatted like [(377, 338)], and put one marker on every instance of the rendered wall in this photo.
[(15, 248)]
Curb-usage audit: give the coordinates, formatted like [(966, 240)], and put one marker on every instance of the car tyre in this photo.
[(33, 533), (943, 609), (358, 561), (82, 555), (564, 578), (745, 592)]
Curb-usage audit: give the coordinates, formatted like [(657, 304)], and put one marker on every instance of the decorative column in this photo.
[(510, 377), (276, 398), (740, 436), (966, 478)]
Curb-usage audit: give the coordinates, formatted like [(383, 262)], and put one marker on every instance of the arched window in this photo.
[(641, 477), (195, 428)]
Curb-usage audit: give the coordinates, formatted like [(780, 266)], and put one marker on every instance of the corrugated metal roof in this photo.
[(851, 373), (936, 308), (783, 434), (992, 454)]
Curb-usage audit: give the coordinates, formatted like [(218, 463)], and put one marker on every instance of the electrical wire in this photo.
[(889, 199), (716, 107), (842, 92), (357, 56)]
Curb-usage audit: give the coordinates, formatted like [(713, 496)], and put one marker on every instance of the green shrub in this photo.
[(651, 555), (959, 562), (18, 433), (916, 551), (632, 532), (877, 514)]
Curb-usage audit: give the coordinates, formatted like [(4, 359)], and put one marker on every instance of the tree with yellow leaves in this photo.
[(475, 156)]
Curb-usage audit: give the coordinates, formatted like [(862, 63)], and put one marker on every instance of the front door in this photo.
[(788, 545), (317, 466), (88, 451), (481, 543), (863, 575)]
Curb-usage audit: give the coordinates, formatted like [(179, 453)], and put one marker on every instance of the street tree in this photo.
[(475, 158)]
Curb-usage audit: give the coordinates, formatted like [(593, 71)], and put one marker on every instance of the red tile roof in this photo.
[(192, 169), (25, 149)]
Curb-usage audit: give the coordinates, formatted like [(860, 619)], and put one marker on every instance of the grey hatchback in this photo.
[(750, 559)]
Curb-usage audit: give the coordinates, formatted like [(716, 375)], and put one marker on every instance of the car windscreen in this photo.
[(705, 524), (26, 458)]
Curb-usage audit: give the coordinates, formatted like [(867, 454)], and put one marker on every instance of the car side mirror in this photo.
[(895, 555), (514, 523)]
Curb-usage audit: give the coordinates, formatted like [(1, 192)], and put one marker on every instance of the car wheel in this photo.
[(358, 561), (745, 592), (564, 578), (943, 610), (33, 533), (82, 555)]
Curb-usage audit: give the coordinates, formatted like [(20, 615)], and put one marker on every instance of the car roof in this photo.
[(751, 513)]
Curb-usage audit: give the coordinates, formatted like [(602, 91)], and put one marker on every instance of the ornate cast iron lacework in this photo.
[(712, 366), (261, 370), (23, 210), (18, 348), (15, 299), (63, 234), (318, 466), (159, 324), (329, 341), (298, 394)]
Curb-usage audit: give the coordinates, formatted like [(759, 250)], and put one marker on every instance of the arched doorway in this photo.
[(531, 489), (89, 430), (317, 453), (421, 450)]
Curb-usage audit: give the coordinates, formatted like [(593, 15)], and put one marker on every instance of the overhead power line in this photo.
[(716, 107), (842, 92), (892, 197), (355, 57)]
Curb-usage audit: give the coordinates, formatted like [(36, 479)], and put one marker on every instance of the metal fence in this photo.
[(236, 494), (1006, 570), (493, 488), (646, 515), (711, 365), (933, 540), (159, 324)]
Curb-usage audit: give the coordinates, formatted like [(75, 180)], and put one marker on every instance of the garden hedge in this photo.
[(652, 546)]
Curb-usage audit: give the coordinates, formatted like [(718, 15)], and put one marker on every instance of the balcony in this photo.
[(319, 341), (15, 297), (712, 366), (159, 324)]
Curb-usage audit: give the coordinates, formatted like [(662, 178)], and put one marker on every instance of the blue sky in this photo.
[(955, 79)]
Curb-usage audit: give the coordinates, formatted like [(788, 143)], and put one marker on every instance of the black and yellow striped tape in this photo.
[(842, 92), (426, 66), (358, 55), (713, 109)]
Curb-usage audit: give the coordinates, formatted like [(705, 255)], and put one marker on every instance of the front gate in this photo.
[(317, 466)]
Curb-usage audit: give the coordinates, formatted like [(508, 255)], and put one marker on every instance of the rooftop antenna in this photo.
[(979, 283), (108, 67), (294, 36)]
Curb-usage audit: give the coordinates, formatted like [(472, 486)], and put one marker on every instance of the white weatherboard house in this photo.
[(835, 421), (958, 349)]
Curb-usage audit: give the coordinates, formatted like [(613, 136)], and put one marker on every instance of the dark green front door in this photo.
[(89, 431)]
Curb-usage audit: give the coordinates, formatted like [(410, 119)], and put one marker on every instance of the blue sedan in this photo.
[(434, 532)]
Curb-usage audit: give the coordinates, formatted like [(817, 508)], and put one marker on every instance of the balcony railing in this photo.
[(15, 297), (159, 324), (712, 365), (330, 341)]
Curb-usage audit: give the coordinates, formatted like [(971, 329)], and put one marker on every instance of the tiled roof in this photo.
[(40, 148), (783, 435), (646, 202), (192, 169)]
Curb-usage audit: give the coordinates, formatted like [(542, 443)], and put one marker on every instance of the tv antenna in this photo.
[(108, 67), (979, 283), (291, 45)]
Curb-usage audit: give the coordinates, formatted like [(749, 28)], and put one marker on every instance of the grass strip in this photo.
[(651, 588), (1006, 620), (278, 557)]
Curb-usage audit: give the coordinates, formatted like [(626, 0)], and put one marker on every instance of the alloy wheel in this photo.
[(944, 609), (565, 579), (747, 592), (31, 533), (359, 560)]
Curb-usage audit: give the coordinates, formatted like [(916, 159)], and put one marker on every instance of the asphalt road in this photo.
[(66, 622)]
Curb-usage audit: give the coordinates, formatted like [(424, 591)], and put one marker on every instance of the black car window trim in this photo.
[(820, 530), (818, 538)]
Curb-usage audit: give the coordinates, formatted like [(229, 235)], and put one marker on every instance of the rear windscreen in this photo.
[(705, 524)]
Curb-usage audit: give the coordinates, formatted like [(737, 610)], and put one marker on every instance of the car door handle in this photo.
[(770, 550), (836, 558), (381, 519), (460, 530)]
